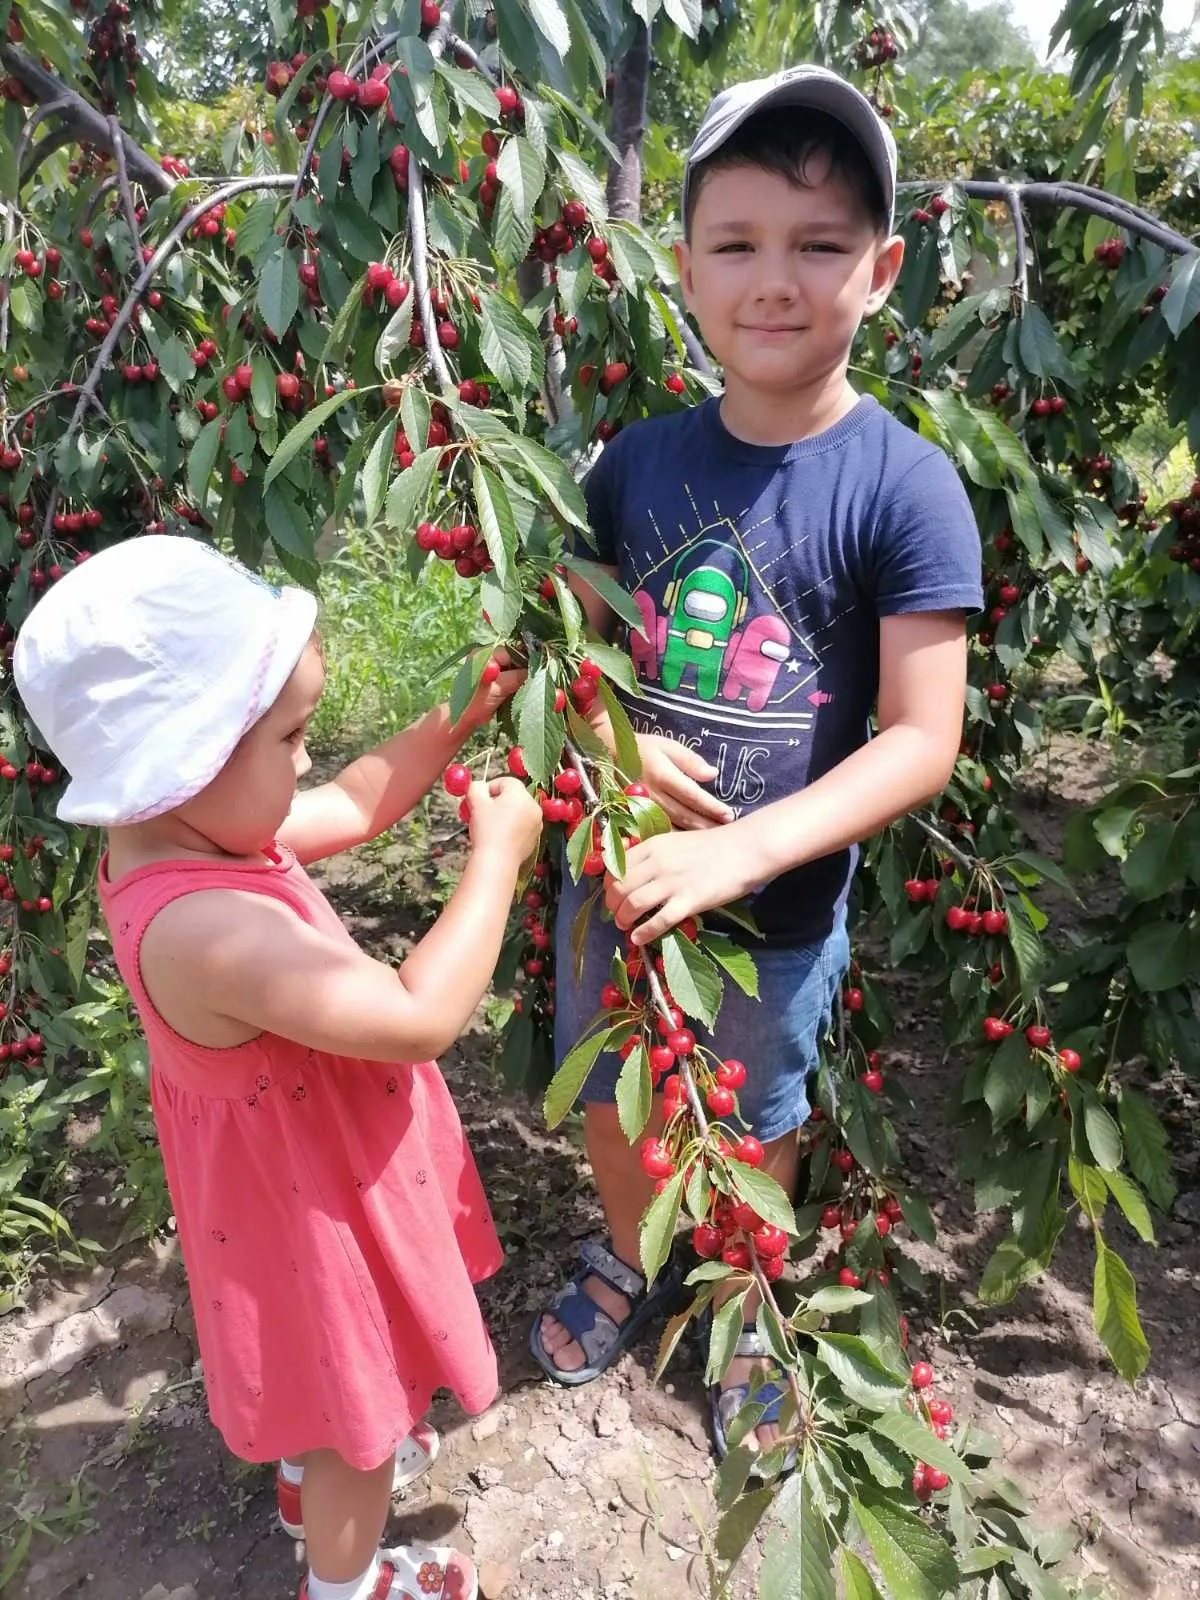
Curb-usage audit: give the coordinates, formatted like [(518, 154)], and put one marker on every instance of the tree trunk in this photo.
[(628, 126)]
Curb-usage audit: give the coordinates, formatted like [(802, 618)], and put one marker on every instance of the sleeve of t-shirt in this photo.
[(927, 554), (599, 490)]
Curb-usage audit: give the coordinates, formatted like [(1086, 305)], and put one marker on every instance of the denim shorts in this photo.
[(776, 1036)]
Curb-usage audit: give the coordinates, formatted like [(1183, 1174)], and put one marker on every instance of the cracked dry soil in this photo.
[(594, 1494)]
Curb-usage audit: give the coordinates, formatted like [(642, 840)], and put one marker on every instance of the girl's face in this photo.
[(244, 806)]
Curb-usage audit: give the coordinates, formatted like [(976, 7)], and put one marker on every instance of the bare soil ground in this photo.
[(597, 1493)]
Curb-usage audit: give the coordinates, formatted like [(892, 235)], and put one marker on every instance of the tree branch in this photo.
[(123, 181), (87, 125), (629, 128)]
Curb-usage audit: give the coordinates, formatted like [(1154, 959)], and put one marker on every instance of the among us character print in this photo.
[(723, 660)]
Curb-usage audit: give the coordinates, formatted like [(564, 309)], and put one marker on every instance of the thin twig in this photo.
[(419, 242), (123, 180), (461, 48), (940, 839)]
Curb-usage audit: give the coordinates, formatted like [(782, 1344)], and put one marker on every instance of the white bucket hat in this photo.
[(810, 88), (144, 666)]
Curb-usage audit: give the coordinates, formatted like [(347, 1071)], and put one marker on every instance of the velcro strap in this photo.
[(612, 1269)]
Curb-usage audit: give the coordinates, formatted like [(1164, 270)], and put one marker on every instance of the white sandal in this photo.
[(414, 1455), (421, 1572)]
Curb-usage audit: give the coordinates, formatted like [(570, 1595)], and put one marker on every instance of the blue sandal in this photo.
[(601, 1339), (725, 1404)]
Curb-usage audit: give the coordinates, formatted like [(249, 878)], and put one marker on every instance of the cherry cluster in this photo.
[(1185, 548)]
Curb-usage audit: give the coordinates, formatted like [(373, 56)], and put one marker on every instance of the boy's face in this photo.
[(244, 806), (779, 277)]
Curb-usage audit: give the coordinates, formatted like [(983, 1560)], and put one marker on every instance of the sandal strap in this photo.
[(751, 1343), (593, 1330), (612, 1269)]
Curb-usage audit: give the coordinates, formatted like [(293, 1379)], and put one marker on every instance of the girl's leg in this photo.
[(344, 1514)]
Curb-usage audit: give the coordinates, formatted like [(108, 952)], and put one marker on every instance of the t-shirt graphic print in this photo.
[(761, 573)]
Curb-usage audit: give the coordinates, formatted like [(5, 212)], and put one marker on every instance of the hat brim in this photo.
[(186, 753), (831, 96)]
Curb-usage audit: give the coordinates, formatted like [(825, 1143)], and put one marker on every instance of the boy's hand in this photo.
[(489, 697), (678, 875), (673, 773), (504, 817)]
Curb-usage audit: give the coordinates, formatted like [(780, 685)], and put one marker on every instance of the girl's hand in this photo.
[(489, 697), (673, 773), (505, 817)]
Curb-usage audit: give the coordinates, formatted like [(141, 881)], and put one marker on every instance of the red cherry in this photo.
[(431, 13), (341, 86), (922, 1375), (681, 1041), (853, 999), (447, 335), (287, 385), (372, 94), (598, 251), (593, 864), (516, 762), (673, 383), (849, 1279), (843, 1161), (707, 1241), (748, 1151), (936, 1479), (941, 1412), (995, 1029), (655, 1159), (731, 1074), (769, 1240), (1069, 1060), (720, 1101), (737, 1256), (1038, 1035), (958, 918), (995, 922), (507, 99), (872, 1081), (457, 779)]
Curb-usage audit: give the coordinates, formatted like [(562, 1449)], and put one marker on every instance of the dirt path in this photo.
[(595, 1494)]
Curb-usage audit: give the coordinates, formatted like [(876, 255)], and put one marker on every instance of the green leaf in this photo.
[(916, 1564), (657, 1228), (394, 340), (311, 423), (857, 1581), (409, 494), (626, 754), (1041, 353), (737, 1525), (1010, 1269), (1103, 1135), (735, 958), (1163, 955), (470, 89), (797, 1561), (692, 978), (1009, 1074), (375, 469), (572, 1075), (726, 1331), (1146, 1147), (279, 292), (1182, 302), (918, 1440), (761, 1191), (522, 171), (539, 727), (606, 586), (864, 1378), (289, 524), (1114, 1307), (587, 187), (1133, 1203), (510, 346), (201, 458), (496, 520), (635, 1092)]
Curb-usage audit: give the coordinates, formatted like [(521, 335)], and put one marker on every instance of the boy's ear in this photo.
[(885, 272), (683, 260)]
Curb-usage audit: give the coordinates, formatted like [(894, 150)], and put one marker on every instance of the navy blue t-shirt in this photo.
[(761, 572)]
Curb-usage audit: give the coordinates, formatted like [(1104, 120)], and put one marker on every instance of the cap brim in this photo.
[(183, 758), (831, 96)]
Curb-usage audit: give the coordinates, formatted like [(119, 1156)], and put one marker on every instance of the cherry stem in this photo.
[(685, 1069), (585, 783), (419, 241)]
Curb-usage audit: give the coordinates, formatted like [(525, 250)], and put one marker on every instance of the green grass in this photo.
[(388, 640)]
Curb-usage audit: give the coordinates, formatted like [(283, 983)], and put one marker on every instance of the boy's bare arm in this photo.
[(922, 674)]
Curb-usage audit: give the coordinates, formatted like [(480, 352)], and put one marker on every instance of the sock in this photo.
[(290, 1472), (356, 1589)]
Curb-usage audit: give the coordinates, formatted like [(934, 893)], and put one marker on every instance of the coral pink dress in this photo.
[(329, 1210)]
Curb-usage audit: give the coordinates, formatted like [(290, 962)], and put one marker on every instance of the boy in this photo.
[(800, 558)]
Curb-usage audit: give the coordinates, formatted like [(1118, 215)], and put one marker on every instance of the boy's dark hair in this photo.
[(783, 141)]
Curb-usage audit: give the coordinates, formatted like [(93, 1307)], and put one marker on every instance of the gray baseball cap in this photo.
[(814, 88)]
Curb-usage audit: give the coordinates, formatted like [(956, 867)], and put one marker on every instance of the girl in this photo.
[(329, 1211)]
